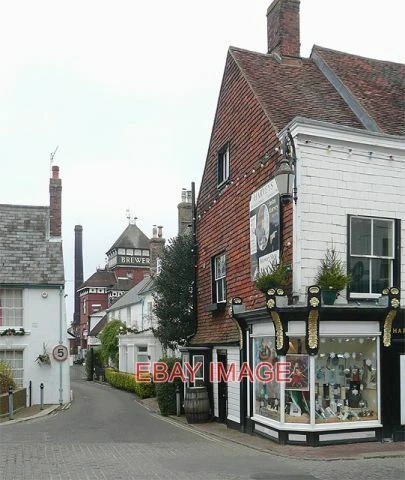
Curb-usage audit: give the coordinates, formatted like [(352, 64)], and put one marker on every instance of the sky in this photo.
[(127, 91)]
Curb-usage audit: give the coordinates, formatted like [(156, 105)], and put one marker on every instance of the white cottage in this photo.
[(33, 334)]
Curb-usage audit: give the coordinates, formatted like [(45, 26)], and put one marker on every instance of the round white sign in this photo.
[(60, 353)]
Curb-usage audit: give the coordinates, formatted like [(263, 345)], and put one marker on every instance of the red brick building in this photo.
[(334, 108), (128, 261)]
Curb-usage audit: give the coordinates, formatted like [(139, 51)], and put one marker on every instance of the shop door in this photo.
[(222, 391)]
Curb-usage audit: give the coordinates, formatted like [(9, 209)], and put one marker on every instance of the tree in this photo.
[(109, 341), (173, 297)]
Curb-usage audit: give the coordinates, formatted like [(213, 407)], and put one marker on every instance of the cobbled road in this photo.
[(107, 435)]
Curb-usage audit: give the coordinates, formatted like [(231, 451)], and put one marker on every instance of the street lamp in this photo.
[(285, 175)]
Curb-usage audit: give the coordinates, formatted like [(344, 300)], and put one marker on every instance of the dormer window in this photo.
[(223, 165)]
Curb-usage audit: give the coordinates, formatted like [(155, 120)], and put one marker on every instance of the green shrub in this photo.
[(127, 381), (166, 391), (6, 377)]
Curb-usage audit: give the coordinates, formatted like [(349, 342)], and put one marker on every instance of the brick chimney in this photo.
[(185, 211), (78, 262), (156, 245), (55, 203), (283, 28)]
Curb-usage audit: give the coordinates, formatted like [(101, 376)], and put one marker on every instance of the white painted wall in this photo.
[(128, 349), (44, 315), (337, 177)]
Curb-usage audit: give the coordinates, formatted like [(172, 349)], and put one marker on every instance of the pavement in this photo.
[(323, 453)]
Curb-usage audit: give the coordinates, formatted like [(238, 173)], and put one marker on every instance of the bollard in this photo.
[(177, 400), (42, 396), (10, 403), (30, 392)]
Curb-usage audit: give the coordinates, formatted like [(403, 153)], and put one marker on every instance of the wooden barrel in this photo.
[(197, 405)]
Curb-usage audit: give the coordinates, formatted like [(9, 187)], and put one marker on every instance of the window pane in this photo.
[(11, 308), (381, 274), (360, 242), (220, 266), (382, 238), (15, 359), (221, 290), (266, 393), (360, 272), (297, 398), (346, 380)]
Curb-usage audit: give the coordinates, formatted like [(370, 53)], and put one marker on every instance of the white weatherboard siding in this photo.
[(215, 384), (340, 172), (233, 356), (43, 312)]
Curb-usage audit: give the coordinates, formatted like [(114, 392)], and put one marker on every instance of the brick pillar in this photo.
[(78, 262), (185, 211), (157, 244), (55, 204), (283, 28)]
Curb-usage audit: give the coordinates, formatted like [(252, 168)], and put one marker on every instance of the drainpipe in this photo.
[(143, 302), (61, 297)]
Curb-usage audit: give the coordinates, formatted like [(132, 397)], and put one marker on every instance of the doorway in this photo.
[(222, 389)]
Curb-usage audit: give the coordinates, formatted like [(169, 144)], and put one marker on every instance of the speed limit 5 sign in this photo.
[(60, 353)]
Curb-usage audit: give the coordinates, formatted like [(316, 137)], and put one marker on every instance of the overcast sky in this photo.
[(127, 89)]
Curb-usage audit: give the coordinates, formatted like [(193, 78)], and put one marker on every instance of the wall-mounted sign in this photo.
[(264, 210), (132, 260), (60, 353)]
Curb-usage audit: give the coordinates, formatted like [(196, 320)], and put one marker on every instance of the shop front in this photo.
[(336, 389)]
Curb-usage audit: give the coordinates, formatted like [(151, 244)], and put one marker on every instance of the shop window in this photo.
[(372, 255), (297, 397), (267, 401), (15, 359), (223, 165), (11, 307), (346, 380), (219, 278)]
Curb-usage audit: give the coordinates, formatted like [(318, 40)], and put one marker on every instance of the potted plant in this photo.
[(274, 278), (331, 276)]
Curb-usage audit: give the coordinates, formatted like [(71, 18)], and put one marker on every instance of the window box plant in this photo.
[(275, 278), (331, 276)]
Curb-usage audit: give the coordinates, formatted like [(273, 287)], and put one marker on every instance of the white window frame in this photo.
[(199, 375), (223, 166), (11, 305), (370, 257), (17, 371), (219, 277)]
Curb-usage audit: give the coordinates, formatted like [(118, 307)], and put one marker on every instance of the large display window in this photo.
[(339, 385), (346, 380)]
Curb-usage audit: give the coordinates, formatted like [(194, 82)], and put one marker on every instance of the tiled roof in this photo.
[(131, 237), (27, 255), (292, 88), (213, 332), (379, 86), (101, 278), (100, 325), (133, 296)]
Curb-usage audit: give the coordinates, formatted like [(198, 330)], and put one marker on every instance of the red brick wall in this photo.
[(283, 27), (138, 273), (223, 220)]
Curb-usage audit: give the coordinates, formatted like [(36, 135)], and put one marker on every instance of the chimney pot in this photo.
[(55, 171)]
